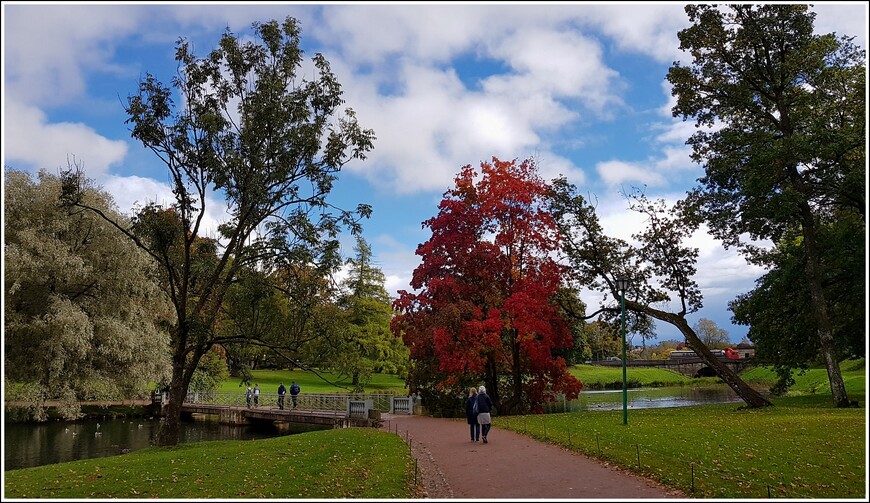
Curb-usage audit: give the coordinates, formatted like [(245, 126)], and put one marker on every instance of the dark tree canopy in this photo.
[(788, 150)]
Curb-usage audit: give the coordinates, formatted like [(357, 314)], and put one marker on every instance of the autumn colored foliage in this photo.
[(483, 309)]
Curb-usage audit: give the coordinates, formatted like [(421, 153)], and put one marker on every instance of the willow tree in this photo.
[(781, 134), (250, 129), (84, 317), (660, 268)]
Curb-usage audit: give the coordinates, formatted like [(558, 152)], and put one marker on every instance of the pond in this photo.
[(35, 444)]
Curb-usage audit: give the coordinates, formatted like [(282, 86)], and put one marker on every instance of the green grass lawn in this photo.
[(335, 464), (802, 447), (814, 380), (796, 450), (311, 383), (597, 377)]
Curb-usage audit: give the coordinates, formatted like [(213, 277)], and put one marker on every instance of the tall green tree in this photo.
[(788, 149), (252, 128), (660, 269), (84, 318), (365, 343)]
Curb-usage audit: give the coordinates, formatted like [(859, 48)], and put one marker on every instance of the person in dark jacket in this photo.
[(484, 406), (282, 391), (471, 415), (294, 391)]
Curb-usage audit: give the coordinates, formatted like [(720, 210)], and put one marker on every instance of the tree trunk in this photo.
[(752, 398), (167, 435), (514, 404), (491, 382), (820, 309)]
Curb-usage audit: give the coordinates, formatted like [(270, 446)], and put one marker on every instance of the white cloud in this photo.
[(396, 260), (54, 45), (649, 29), (842, 18), (132, 192), (30, 139), (615, 173)]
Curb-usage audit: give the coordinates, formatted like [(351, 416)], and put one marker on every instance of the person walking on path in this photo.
[(256, 395), (294, 390), (281, 392), (249, 395), (484, 406), (471, 414)]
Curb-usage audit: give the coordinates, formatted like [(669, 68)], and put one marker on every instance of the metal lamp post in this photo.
[(622, 286)]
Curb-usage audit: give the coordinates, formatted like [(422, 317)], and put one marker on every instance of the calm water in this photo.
[(648, 398), (26, 445)]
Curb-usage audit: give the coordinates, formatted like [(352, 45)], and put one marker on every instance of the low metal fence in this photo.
[(310, 401)]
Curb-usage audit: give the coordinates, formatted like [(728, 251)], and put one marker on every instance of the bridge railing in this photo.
[(309, 401)]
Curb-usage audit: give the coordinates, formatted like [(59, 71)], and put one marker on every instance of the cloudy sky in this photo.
[(579, 86)]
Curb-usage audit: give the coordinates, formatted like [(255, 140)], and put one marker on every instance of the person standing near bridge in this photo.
[(256, 395), (294, 390), (281, 392), (249, 394)]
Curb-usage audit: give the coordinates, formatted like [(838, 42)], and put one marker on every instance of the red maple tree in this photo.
[(483, 307)]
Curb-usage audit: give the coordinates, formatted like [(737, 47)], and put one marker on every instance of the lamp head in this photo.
[(622, 284)]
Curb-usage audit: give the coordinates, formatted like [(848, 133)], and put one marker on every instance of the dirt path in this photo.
[(510, 466)]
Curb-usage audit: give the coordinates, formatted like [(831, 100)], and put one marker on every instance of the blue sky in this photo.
[(579, 86)]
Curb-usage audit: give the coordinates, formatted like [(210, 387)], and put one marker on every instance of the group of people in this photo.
[(253, 395), (478, 406)]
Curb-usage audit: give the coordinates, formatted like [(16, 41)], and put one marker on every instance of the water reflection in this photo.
[(647, 398), (28, 444)]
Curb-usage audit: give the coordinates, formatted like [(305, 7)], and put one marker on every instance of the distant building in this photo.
[(745, 350)]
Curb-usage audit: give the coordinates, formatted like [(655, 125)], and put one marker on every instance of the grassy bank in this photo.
[(340, 463), (597, 377), (311, 383), (814, 380)]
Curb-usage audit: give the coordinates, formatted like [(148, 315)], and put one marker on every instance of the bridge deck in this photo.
[(325, 417)]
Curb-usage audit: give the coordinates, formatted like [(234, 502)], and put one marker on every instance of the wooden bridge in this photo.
[(689, 366)]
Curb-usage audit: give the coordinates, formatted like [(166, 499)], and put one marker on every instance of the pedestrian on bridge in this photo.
[(249, 394), (256, 395), (281, 392), (294, 390)]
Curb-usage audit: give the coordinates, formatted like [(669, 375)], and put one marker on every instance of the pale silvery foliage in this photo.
[(85, 318)]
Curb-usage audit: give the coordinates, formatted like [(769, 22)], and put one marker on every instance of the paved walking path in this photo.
[(510, 466)]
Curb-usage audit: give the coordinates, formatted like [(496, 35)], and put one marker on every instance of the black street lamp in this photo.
[(622, 286)]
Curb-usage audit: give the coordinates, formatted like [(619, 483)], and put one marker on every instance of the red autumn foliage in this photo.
[(483, 307)]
